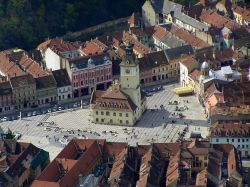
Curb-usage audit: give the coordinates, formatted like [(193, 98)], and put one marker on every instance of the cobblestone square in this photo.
[(160, 123)]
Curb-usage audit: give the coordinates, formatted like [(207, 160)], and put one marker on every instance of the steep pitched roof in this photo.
[(213, 18), (152, 60), (45, 82), (178, 52), (20, 81), (62, 78), (112, 99), (245, 13)]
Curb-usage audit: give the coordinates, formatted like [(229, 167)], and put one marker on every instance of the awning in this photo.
[(183, 90)]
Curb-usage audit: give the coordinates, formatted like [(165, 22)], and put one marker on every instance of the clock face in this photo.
[(127, 71)]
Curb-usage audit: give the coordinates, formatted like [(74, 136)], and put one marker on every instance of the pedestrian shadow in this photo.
[(152, 118)]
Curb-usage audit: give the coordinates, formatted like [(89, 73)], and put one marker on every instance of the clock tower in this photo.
[(130, 76)]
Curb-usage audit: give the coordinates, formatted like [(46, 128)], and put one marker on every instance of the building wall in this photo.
[(241, 143), (114, 117), (148, 14), (64, 93), (52, 60), (221, 7), (183, 75), (25, 93), (159, 45), (6, 102), (89, 78), (204, 36), (46, 95), (185, 25), (238, 18)]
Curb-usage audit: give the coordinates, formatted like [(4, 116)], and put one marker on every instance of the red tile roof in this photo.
[(32, 67), (112, 99), (119, 164), (138, 46), (134, 18), (213, 18), (78, 157), (189, 61), (173, 174), (195, 75), (94, 47), (59, 46), (188, 37), (159, 32), (8, 67), (230, 129), (201, 178), (245, 13)]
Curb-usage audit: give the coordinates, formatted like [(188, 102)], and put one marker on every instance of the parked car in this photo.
[(5, 119), (47, 129), (17, 136)]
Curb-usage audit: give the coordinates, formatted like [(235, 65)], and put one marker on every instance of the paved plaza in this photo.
[(160, 123)]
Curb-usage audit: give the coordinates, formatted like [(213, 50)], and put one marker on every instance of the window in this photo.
[(247, 139), (243, 146), (102, 113), (107, 113), (120, 121), (114, 114), (127, 122), (96, 112), (217, 140), (205, 157), (102, 120), (97, 119), (227, 140), (126, 114), (238, 140), (232, 140), (120, 114), (111, 121)]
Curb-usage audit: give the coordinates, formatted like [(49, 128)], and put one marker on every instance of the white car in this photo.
[(47, 129), (4, 119), (17, 136), (34, 113)]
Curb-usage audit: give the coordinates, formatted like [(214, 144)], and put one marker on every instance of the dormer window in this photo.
[(232, 133)]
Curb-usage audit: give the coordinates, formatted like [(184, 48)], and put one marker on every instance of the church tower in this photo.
[(130, 77)]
